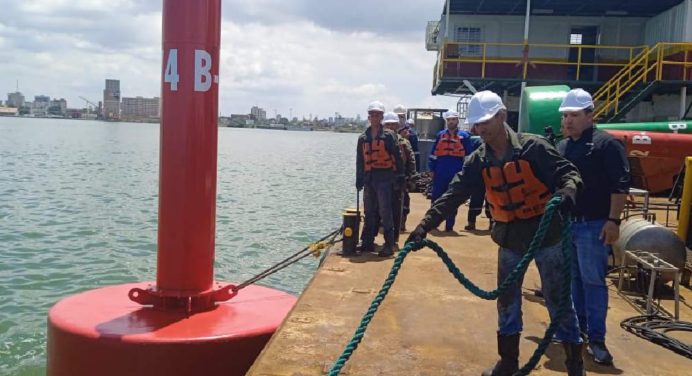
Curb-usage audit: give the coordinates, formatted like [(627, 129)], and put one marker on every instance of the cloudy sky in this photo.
[(312, 56)]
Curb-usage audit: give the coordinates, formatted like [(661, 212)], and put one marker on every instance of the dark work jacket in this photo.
[(391, 143), (602, 163), (549, 167)]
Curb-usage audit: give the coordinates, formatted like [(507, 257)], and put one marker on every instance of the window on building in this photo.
[(575, 38), (469, 35)]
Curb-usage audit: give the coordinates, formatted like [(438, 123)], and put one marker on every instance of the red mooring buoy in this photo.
[(184, 323)]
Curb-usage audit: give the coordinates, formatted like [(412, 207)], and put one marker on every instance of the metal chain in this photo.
[(312, 249)]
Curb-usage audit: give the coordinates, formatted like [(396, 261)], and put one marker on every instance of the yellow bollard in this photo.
[(686, 202)]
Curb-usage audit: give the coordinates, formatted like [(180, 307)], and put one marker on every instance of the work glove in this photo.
[(567, 198), (417, 235)]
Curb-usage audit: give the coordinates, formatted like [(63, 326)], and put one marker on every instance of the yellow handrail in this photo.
[(638, 70), (640, 64), (524, 60)]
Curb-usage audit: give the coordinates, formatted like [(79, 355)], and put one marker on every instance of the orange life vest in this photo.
[(513, 191), (450, 145), (376, 156)]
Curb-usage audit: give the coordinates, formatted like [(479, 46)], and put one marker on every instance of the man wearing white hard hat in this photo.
[(412, 136), (391, 122), (446, 159), (378, 168), (520, 172), (602, 163)]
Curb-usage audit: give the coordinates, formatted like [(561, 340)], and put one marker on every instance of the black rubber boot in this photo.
[(508, 348), (470, 226), (574, 360)]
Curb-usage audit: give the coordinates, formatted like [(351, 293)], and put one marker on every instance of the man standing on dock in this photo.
[(378, 168), (520, 172), (391, 122), (412, 136), (447, 158), (602, 163)]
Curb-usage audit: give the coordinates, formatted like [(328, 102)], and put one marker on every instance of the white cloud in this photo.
[(311, 57)]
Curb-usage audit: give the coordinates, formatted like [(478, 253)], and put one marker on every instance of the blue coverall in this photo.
[(445, 167)]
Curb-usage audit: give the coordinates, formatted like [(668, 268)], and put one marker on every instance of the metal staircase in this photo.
[(638, 79)]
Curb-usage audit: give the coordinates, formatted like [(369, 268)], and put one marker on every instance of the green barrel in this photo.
[(539, 108), (678, 126)]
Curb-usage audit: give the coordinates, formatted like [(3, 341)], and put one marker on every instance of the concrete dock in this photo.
[(431, 325)]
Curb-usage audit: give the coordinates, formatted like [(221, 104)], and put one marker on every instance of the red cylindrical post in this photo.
[(189, 111)]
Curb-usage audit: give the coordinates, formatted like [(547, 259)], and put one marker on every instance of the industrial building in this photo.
[(140, 108), (111, 100), (635, 56)]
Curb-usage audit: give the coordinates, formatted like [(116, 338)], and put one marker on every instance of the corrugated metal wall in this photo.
[(670, 26)]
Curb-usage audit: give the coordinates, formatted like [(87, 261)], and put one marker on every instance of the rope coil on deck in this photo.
[(518, 272)]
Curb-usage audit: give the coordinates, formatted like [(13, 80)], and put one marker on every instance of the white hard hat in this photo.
[(410, 122), (576, 100), (400, 109), (450, 114), (483, 106), (390, 117), (376, 106)]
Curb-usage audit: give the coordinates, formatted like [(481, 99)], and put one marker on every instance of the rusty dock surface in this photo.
[(431, 325)]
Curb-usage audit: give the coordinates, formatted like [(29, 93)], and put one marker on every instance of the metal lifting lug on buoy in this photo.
[(188, 304)]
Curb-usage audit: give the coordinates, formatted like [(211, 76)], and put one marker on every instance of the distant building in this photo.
[(258, 114), (111, 100), (140, 107), (40, 105), (238, 120), (8, 111), (15, 100), (58, 107)]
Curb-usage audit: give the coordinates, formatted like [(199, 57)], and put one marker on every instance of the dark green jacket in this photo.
[(549, 167)]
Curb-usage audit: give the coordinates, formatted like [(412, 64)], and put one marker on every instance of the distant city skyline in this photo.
[(114, 106), (297, 58)]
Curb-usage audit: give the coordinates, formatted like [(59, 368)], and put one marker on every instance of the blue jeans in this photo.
[(549, 261), (589, 268)]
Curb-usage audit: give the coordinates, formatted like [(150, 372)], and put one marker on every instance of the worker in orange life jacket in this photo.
[(520, 172), (378, 168), (391, 122), (447, 158)]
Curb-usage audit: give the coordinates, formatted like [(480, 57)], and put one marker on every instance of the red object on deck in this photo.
[(176, 326), (655, 144), (655, 157)]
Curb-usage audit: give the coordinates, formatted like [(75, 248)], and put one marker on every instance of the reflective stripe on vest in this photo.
[(450, 145), (514, 192), (376, 156)]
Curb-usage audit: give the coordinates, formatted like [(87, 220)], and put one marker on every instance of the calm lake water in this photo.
[(78, 210)]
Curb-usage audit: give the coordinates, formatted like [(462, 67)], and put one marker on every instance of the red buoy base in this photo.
[(103, 332)]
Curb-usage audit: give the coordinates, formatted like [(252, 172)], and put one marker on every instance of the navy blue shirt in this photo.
[(602, 162)]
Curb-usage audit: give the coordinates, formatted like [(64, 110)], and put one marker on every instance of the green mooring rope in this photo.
[(518, 271)]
